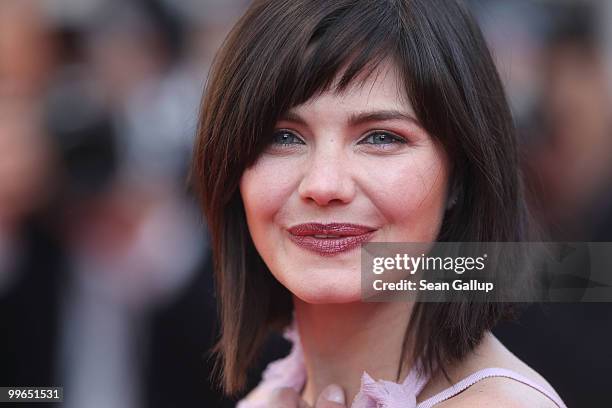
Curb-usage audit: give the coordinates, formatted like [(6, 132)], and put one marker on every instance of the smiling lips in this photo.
[(330, 239)]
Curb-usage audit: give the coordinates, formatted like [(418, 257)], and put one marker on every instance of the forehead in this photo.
[(381, 89)]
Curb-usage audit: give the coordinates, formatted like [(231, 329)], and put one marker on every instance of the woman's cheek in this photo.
[(411, 197), (265, 188)]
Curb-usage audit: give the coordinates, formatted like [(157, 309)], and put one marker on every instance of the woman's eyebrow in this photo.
[(379, 116), (360, 117), (293, 117)]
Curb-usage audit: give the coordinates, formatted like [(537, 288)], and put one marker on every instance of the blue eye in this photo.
[(382, 138), (284, 137)]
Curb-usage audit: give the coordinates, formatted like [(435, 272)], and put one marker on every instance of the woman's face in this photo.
[(342, 169)]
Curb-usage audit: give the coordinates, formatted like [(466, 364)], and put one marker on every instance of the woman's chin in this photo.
[(325, 294)]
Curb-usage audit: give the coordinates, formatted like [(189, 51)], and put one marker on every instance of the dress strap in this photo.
[(487, 373)]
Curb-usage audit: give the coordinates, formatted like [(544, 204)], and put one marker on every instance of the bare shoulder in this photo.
[(500, 392)]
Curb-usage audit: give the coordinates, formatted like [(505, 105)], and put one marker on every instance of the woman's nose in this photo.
[(327, 179)]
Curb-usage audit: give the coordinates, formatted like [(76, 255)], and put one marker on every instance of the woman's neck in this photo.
[(340, 341)]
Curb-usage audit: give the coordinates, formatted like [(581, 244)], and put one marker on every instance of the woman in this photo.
[(328, 124)]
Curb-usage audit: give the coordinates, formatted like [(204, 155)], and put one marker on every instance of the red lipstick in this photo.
[(330, 239)]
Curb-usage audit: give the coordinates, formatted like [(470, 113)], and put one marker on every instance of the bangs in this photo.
[(346, 44), (294, 50)]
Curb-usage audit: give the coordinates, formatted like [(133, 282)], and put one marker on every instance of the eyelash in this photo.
[(285, 132), (395, 139)]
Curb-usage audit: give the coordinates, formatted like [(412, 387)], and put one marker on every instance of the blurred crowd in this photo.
[(555, 57), (105, 271), (105, 283)]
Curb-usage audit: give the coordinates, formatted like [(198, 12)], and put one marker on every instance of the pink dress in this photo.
[(290, 372)]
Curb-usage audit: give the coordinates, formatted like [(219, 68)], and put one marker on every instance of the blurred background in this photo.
[(105, 273)]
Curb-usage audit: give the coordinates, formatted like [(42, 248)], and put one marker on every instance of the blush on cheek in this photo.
[(266, 188), (268, 184), (411, 197)]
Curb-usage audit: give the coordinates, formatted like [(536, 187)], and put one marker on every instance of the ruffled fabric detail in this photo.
[(389, 394), (383, 394), (291, 372)]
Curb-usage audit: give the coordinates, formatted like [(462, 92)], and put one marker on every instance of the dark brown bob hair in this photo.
[(280, 54)]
